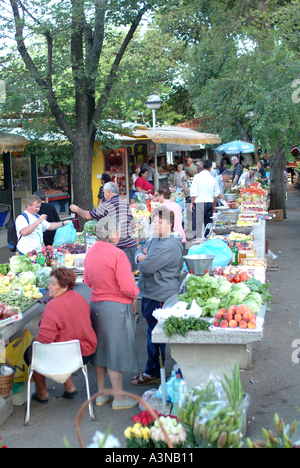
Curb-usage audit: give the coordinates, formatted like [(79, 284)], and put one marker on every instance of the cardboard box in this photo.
[(14, 318), (278, 215)]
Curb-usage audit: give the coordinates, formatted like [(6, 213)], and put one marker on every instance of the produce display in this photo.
[(182, 325), (7, 311), (215, 293), (232, 274), (234, 317)]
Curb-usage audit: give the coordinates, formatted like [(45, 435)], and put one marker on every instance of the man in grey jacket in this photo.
[(160, 265)]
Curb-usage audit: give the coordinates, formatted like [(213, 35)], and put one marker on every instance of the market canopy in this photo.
[(175, 135), (235, 147), (12, 143)]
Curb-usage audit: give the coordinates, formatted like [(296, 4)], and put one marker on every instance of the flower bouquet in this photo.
[(147, 432)]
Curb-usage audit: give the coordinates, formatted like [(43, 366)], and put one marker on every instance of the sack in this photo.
[(14, 353), (216, 247), (65, 235), (12, 239)]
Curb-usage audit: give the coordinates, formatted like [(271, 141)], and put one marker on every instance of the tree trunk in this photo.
[(277, 188), (82, 174)]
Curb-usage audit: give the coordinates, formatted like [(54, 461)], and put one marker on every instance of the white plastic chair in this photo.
[(57, 361)]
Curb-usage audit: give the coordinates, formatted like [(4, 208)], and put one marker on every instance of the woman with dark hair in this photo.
[(164, 195), (104, 179), (65, 318), (142, 184), (159, 264), (135, 175)]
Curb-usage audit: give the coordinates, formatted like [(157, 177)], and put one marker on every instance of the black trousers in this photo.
[(202, 214)]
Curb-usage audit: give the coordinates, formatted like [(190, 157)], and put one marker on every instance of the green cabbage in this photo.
[(211, 307)]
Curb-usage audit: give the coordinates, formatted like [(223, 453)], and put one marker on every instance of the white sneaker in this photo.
[(101, 400), (127, 403)]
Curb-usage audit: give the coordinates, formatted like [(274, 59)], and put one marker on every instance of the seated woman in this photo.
[(108, 273), (142, 184), (164, 195), (66, 317)]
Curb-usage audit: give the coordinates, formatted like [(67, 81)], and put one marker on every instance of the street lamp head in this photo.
[(153, 102)]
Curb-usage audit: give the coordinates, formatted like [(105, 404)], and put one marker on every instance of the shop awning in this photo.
[(175, 135), (10, 143)]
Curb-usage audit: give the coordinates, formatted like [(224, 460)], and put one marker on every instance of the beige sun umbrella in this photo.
[(173, 135), (12, 143)]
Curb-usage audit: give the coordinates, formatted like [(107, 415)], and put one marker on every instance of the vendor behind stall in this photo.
[(142, 184), (30, 228)]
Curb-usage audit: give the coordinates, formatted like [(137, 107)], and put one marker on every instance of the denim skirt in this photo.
[(115, 327)]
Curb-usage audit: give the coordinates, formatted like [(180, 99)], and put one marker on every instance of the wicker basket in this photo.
[(6, 382)]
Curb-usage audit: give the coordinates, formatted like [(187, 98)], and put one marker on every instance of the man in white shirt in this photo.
[(248, 178), (150, 169), (204, 195), (30, 234), (221, 180)]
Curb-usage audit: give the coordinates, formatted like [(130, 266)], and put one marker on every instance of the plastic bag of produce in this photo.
[(65, 235), (43, 278), (216, 247)]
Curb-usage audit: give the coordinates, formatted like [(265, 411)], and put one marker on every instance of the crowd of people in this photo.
[(106, 326)]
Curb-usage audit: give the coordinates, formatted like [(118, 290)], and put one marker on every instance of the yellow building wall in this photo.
[(97, 170)]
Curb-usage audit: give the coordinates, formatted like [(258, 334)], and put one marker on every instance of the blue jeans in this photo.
[(152, 366)]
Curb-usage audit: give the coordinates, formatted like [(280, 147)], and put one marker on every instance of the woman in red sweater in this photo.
[(142, 184), (65, 318), (108, 274)]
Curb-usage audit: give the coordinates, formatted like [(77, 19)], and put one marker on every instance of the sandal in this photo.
[(35, 397), (142, 379), (69, 396)]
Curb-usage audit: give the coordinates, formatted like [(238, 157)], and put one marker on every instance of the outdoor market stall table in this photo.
[(36, 309), (202, 353)]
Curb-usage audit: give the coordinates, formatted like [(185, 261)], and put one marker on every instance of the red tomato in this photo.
[(236, 279)]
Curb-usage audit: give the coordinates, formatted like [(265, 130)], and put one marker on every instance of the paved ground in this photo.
[(273, 382)]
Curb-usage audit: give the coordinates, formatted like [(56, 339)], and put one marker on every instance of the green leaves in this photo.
[(183, 325)]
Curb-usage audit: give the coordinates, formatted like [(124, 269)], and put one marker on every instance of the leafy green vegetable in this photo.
[(27, 277), (262, 288), (252, 304), (91, 226), (237, 295), (4, 268), (207, 291), (19, 263), (182, 325)]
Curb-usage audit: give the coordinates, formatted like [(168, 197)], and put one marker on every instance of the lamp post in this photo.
[(154, 102)]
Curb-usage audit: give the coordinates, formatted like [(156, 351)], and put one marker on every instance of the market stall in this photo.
[(229, 293), (176, 135)]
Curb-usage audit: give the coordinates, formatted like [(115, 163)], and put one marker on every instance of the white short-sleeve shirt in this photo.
[(34, 240)]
